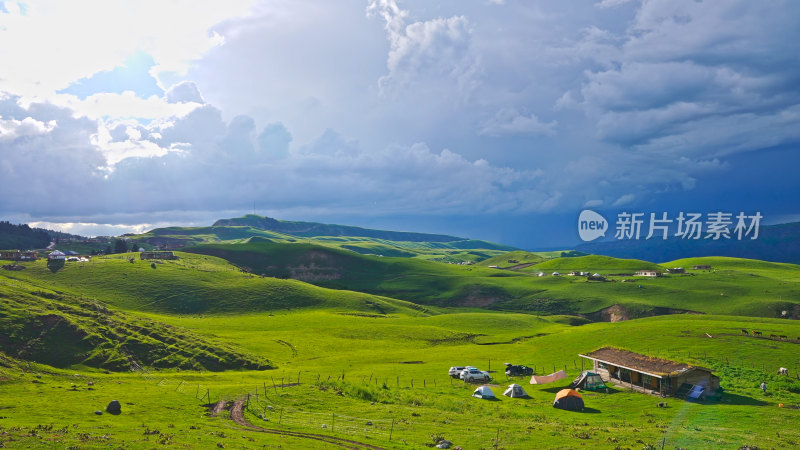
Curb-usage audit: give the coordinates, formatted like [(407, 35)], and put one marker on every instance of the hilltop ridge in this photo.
[(314, 229)]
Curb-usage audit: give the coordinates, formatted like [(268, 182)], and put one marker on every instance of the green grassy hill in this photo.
[(64, 330), (739, 291), (343, 371), (373, 369), (512, 259), (194, 284), (595, 263), (360, 240)]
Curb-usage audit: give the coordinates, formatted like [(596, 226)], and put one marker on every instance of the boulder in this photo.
[(114, 407)]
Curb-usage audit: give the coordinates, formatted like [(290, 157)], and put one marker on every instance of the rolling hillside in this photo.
[(374, 367), (360, 240), (752, 288), (595, 263), (62, 330), (193, 285)]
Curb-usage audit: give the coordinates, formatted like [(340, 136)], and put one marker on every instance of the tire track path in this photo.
[(237, 415)]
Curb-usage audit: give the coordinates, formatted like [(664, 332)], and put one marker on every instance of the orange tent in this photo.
[(568, 399)]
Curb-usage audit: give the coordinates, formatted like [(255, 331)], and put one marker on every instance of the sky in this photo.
[(488, 119)]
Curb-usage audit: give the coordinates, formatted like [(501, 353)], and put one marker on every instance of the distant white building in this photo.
[(648, 273), (56, 255)]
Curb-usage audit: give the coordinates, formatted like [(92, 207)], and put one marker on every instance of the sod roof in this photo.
[(640, 363)]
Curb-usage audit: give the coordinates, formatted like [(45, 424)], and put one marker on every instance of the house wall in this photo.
[(698, 377)]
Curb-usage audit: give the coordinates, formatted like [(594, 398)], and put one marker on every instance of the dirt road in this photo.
[(237, 415)]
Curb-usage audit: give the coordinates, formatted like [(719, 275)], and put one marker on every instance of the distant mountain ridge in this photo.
[(777, 243), (314, 229)]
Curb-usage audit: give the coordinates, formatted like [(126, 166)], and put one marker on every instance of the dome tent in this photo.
[(588, 381), (485, 393), (515, 391), (569, 400)]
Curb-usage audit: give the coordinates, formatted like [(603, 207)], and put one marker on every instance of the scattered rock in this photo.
[(98, 412), (91, 383), (369, 422), (444, 443), (324, 426), (114, 407), (38, 375)]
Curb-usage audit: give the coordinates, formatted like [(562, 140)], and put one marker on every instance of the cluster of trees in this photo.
[(22, 237)]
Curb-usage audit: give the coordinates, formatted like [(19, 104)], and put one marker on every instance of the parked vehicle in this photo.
[(455, 371), (513, 370), (473, 375), (465, 370)]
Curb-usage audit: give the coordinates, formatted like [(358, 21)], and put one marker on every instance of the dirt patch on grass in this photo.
[(480, 297), (513, 341), (218, 407), (313, 272), (619, 313)]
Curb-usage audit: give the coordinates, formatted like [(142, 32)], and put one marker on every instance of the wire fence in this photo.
[(330, 422)]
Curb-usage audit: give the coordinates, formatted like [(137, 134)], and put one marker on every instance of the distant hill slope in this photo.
[(738, 287), (514, 259), (313, 229), (596, 263), (779, 243), (360, 240), (195, 284)]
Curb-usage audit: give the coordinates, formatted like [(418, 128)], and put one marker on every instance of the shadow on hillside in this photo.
[(554, 389), (590, 411), (735, 399), (55, 265)]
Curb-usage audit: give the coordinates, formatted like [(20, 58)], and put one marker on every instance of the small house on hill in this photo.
[(13, 255), (28, 256), (56, 255), (652, 375), (676, 270), (701, 267), (157, 255), (648, 273)]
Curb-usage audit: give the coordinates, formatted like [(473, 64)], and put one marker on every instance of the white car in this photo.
[(455, 371), (473, 375), (464, 370)]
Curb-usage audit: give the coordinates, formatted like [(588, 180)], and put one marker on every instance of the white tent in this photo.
[(544, 379), (484, 392), (515, 391)]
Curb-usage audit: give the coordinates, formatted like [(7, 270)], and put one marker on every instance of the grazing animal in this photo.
[(773, 336), (783, 371), (756, 333), (745, 332)]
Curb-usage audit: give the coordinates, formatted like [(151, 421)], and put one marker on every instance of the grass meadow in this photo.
[(373, 369)]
